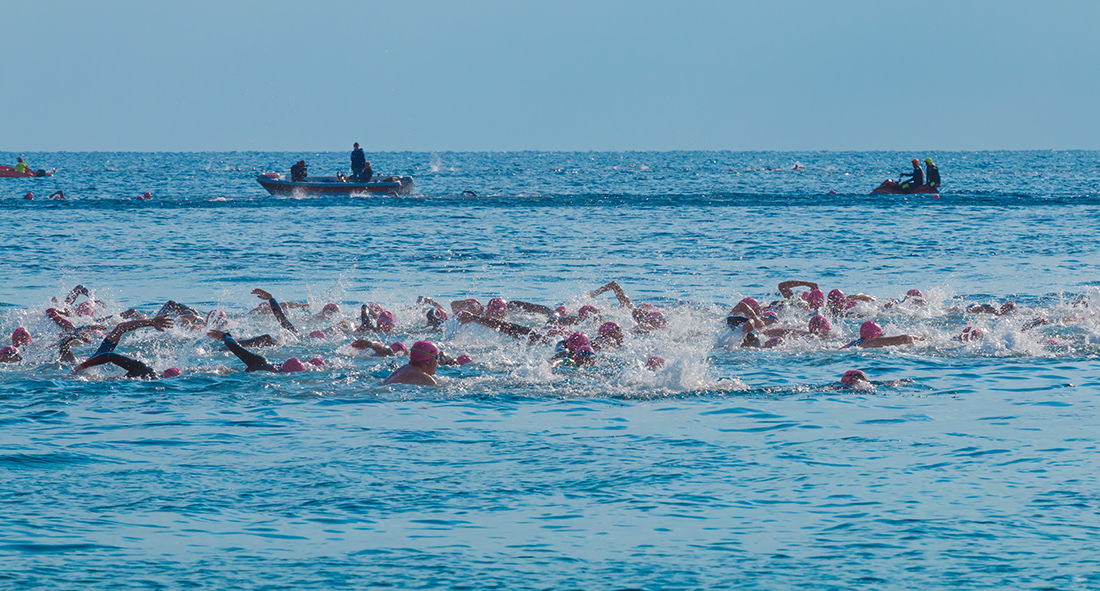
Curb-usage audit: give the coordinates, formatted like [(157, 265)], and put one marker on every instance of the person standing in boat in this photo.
[(358, 163), (916, 178), (298, 171), (933, 174)]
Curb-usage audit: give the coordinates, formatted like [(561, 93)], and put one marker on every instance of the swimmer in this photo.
[(870, 337), (421, 368), (511, 329), (254, 362), (134, 368), (20, 337)]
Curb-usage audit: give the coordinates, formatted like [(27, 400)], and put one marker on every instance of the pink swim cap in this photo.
[(654, 362), (29, 195), (819, 325), (656, 320), (318, 334), (914, 293), (496, 307), (317, 362), (438, 315), (576, 341), (587, 311), (853, 303), (330, 308), (752, 303), (171, 372), (836, 297), (851, 375), (608, 328), (423, 351), (293, 364), (971, 333), (20, 337), (869, 330), (561, 310), (385, 321), (464, 359), (816, 298), (770, 315), (85, 309), (399, 347), (8, 351), (376, 308)]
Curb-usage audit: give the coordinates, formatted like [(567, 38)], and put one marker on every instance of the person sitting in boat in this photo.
[(298, 171), (21, 166), (916, 178), (358, 162), (367, 173), (933, 174)]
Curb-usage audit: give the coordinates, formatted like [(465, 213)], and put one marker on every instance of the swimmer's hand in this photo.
[(215, 334), (162, 322), (464, 317), (263, 295)]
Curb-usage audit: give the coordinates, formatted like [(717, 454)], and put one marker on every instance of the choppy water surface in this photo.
[(968, 464)]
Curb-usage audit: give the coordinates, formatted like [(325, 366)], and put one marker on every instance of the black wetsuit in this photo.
[(933, 175), (106, 354), (358, 163), (252, 361), (916, 178), (298, 172)]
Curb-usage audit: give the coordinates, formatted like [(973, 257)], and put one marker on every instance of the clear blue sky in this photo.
[(562, 75)]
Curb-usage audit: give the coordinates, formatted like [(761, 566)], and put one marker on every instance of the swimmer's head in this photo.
[(496, 307), (85, 309), (773, 342), (1009, 308), (8, 353), (609, 328), (654, 319), (330, 309), (971, 333), (654, 362), (375, 308), (819, 325), (587, 311), (436, 316), (29, 195), (928, 161), (463, 359), (583, 355), (399, 348), (317, 362), (815, 299), (171, 372), (914, 293), (870, 330), (852, 377), (318, 334), (561, 311), (293, 364), (20, 337), (385, 321), (752, 303), (576, 341), (423, 351), (916, 162), (770, 317), (836, 297)]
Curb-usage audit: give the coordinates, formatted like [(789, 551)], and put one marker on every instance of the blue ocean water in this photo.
[(967, 465)]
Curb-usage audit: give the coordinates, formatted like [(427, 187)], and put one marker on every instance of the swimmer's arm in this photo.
[(513, 330), (613, 286), (785, 287), (529, 307), (902, 339), (743, 309), (861, 297), (276, 309), (160, 323), (430, 302), (76, 292), (378, 348)]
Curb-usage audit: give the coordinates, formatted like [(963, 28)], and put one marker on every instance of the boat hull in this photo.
[(9, 172), (892, 187), (333, 186)]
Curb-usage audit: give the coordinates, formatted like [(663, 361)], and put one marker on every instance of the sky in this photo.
[(496, 75)]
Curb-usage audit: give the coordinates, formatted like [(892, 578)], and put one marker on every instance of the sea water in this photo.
[(967, 465)]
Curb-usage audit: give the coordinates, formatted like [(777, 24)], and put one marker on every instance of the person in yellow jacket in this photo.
[(21, 166)]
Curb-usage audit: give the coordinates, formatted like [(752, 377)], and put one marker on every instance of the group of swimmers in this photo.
[(803, 313)]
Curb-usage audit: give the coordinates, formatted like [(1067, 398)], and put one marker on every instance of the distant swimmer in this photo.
[(421, 368), (933, 174), (58, 195), (916, 178)]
